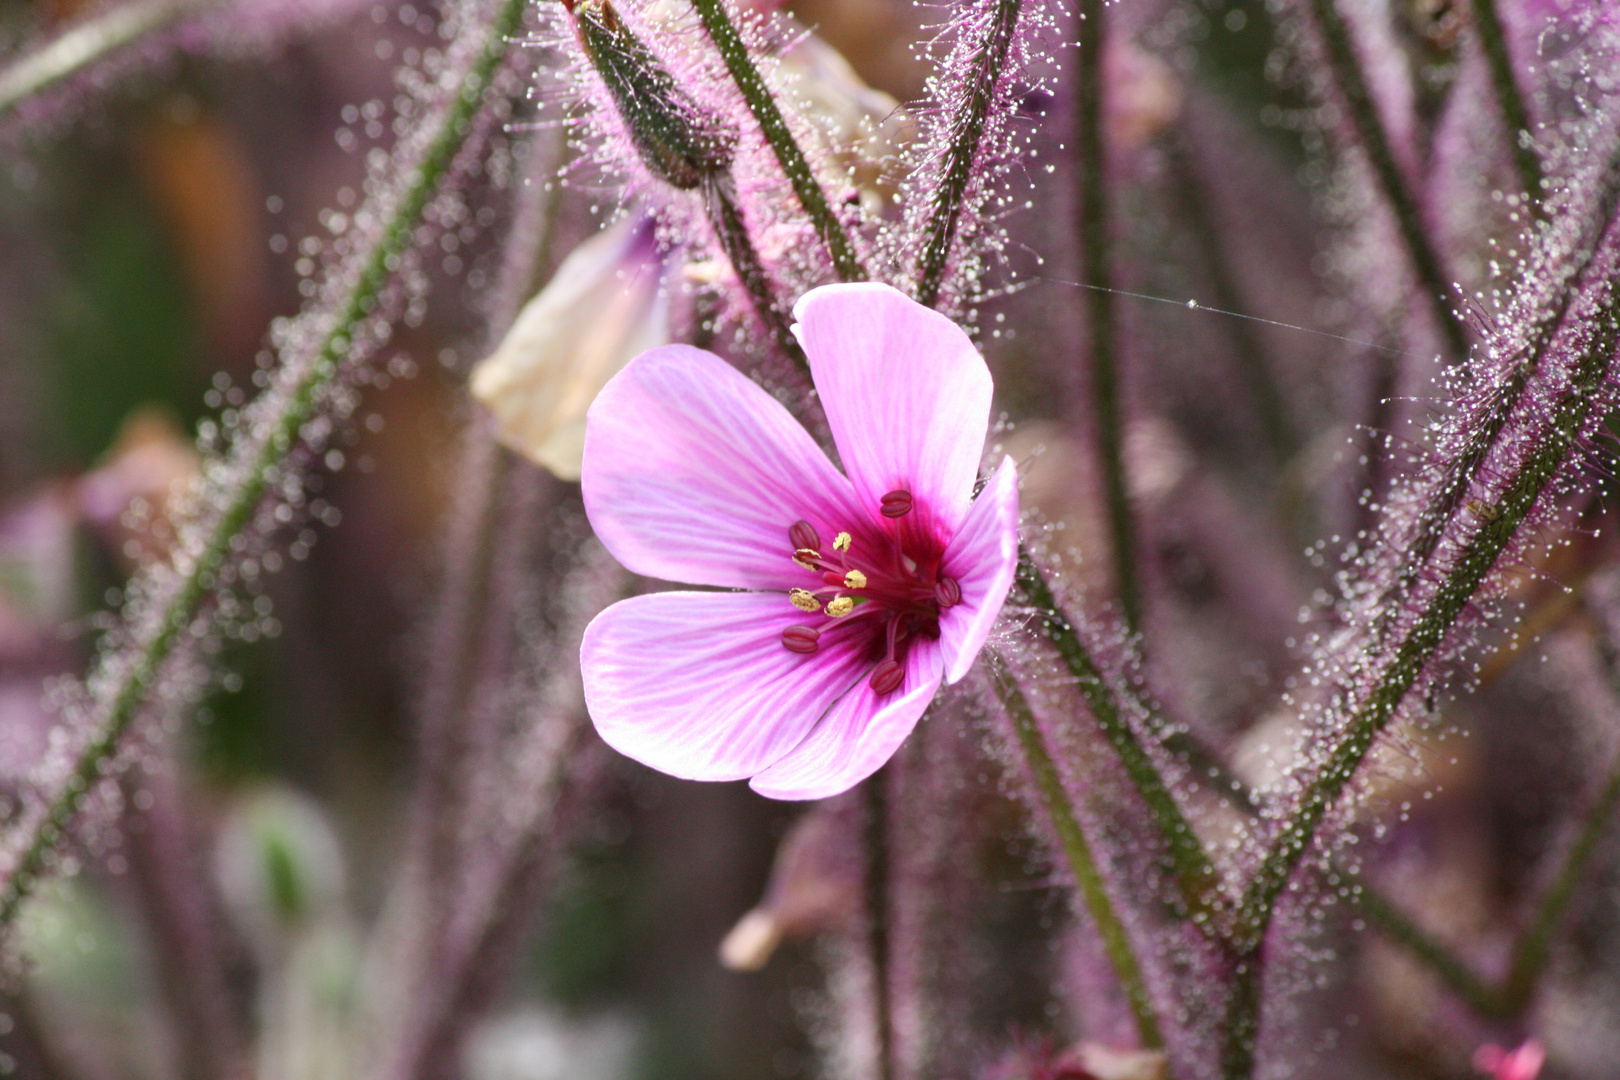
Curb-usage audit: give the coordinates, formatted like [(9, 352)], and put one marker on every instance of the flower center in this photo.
[(886, 575)]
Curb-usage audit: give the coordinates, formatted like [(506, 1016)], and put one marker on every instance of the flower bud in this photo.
[(602, 307), (680, 142)]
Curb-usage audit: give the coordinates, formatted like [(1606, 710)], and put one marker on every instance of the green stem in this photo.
[(88, 42), (1479, 995), (876, 883), (731, 229), (452, 123), (1414, 653), (1195, 873), (763, 105), (1096, 274), (1493, 40), (1346, 68), (1116, 942), (972, 119)]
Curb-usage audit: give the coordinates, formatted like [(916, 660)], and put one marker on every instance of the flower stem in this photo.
[(1092, 152), (1369, 128), (1195, 873), (763, 105), (1479, 995), (876, 887), (974, 117), (731, 229), (450, 125), (1408, 660), (88, 42), (1116, 943), (1493, 40)]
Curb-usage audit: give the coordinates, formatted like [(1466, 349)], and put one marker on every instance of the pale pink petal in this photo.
[(982, 557), (698, 685), (692, 473), (857, 735), (907, 395)]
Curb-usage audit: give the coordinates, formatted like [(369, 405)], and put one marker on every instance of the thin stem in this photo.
[(1413, 654), (451, 125), (1116, 942), (1097, 275), (88, 42), (876, 883), (763, 105), (1195, 873), (940, 231), (1369, 126), (731, 229), (1493, 40), (1479, 995)]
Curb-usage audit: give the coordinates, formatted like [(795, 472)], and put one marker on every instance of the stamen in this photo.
[(947, 592), (802, 535), (855, 580), (896, 504), (807, 558), (887, 677), (801, 599), (839, 606), (841, 542), (801, 639)]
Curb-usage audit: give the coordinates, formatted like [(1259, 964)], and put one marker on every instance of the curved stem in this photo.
[(449, 125), (1116, 943), (1196, 875), (90, 41), (763, 105), (1493, 40), (1369, 126), (940, 231)]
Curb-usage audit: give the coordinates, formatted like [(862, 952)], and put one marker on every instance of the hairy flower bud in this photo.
[(680, 142)]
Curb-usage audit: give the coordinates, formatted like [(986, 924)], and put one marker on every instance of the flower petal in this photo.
[(982, 557), (698, 685), (693, 473), (906, 393), (858, 734)]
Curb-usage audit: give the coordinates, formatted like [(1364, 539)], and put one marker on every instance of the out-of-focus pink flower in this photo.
[(1521, 1064), (868, 589)]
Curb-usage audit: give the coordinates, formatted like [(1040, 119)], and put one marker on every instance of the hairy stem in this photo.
[(978, 99), (1116, 943), (1195, 873), (449, 125), (1400, 671), (731, 229), (763, 105), (1493, 40), (1096, 274), (1369, 127), (88, 42)]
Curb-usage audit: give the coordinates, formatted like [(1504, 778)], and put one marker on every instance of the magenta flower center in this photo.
[(885, 576)]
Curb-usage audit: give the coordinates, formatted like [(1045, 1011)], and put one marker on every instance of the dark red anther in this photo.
[(947, 592), (803, 537), (887, 677), (801, 639), (896, 504)]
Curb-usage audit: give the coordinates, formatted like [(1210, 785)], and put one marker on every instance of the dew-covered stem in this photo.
[(1515, 117), (88, 42), (734, 51), (1116, 942), (731, 229), (1395, 677), (1096, 273), (449, 125), (1340, 52), (1195, 873), (939, 232)]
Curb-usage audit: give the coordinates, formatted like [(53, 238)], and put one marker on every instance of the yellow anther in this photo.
[(801, 599), (839, 606), (806, 558), (855, 580), (841, 542)]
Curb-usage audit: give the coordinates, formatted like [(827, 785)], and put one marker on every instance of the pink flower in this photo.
[(1521, 1064), (866, 591)]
